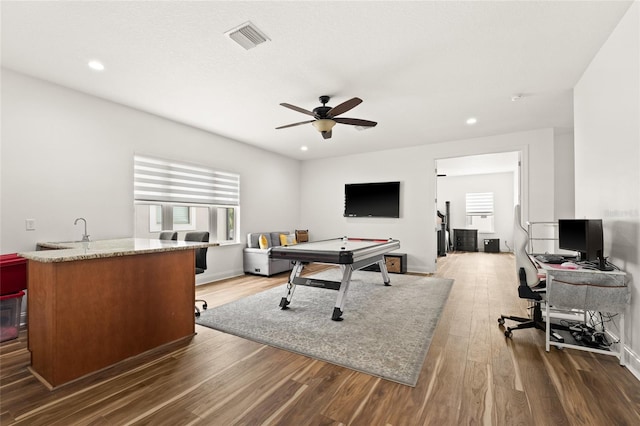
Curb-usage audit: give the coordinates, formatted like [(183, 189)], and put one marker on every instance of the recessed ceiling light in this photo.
[(471, 121), (304, 148), (96, 65)]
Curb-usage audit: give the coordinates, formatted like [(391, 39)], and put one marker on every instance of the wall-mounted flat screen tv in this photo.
[(376, 199)]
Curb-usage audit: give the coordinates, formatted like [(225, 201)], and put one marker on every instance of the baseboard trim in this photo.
[(210, 277), (630, 358), (632, 362)]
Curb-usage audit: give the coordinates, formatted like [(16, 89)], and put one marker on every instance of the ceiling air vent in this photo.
[(247, 35)]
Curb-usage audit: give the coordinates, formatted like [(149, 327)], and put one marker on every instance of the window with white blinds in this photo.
[(479, 203), (170, 181), (479, 208), (174, 196)]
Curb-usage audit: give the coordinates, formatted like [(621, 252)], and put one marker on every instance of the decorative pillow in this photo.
[(263, 242), (287, 239)]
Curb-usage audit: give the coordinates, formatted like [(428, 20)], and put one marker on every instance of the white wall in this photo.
[(607, 156), (455, 188), (323, 195), (564, 195), (66, 154)]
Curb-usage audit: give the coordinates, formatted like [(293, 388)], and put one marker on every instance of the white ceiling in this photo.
[(421, 67)]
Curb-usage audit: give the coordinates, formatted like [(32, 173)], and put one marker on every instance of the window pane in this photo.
[(483, 223), (181, 215), (185, 218), (231, 218), (155, 218)]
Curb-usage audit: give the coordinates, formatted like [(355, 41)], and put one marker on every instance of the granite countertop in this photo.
[(70, 251)]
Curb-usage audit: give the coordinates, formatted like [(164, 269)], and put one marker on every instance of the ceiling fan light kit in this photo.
[(326, 116), (324, 124)]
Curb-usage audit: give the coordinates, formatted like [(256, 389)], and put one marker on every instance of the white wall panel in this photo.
[(607, 155)]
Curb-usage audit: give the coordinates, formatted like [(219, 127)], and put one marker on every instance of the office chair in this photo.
[(530, 286), (168, 235), (201, 261)]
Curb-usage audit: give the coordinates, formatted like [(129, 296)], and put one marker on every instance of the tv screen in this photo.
[(581, 235), (378, 199)]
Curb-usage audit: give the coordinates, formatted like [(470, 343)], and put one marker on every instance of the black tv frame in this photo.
[(372, 199)]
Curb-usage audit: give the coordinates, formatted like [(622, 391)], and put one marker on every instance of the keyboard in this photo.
[(550, 258)]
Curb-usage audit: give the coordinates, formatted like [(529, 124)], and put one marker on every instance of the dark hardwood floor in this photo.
[(471, 375)]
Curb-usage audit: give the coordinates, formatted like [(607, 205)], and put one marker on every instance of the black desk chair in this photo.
[(530, 286), (201, 261), (168, 235)]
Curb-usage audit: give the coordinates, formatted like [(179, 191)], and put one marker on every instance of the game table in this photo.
[(350, 253)]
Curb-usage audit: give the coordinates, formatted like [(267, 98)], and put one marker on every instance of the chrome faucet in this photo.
[(85, 236)]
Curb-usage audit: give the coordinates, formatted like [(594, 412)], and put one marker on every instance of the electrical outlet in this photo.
[(30, 224)]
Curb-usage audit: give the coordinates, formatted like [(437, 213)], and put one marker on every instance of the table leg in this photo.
[(342, 293), (385, 274), (295, 272)]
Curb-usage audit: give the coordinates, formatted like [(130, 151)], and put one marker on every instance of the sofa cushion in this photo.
[(287, 240), (263, 242), (275, 238), (272, 237)]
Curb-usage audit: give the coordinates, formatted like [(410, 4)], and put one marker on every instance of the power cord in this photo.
[(592, 333)]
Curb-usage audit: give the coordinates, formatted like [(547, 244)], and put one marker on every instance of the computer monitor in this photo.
[(584, 236)]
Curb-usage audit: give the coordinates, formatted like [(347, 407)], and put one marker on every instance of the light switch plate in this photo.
[(30, 224)]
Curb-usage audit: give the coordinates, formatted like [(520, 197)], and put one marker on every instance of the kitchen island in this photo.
[(91, 305)]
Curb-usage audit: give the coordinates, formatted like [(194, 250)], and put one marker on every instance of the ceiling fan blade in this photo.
[(355, 122), (344, 107), (295, 124), (326, 135), (295, 108)]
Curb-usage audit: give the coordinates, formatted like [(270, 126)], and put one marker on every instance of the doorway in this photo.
[(493, 179)]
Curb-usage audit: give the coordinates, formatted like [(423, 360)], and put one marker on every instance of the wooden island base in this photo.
[(120, 367), (87, 315)]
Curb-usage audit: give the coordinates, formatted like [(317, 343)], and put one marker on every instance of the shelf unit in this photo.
[(587, 290), (532, 227)]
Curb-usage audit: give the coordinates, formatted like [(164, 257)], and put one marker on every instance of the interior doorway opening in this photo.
[(475, 196)]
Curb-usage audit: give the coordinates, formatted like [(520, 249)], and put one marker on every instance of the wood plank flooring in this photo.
[(471, 375)]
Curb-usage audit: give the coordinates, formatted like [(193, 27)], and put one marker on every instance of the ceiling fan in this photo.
[(325, 117)]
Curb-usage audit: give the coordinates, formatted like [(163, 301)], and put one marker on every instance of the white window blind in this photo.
[(479, 203), (169, 181)]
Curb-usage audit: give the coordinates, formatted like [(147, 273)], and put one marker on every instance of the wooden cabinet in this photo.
[(465, 239), (396, 263)]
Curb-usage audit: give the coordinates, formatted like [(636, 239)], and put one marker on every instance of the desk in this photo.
[(586, 290), (350, 253)]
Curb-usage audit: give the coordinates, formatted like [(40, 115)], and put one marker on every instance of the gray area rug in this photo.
[(386, 331)]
